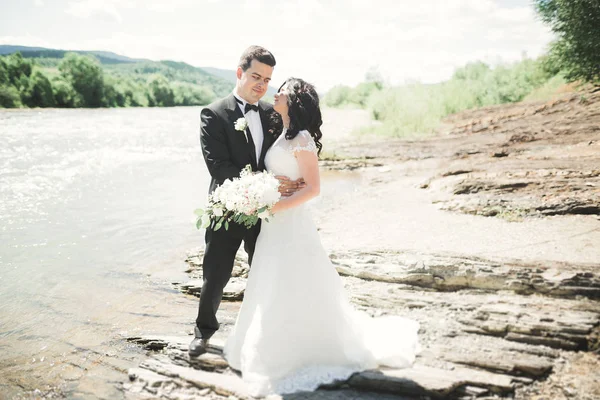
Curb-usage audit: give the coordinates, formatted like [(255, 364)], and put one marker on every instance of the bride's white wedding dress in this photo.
[(296, 328)]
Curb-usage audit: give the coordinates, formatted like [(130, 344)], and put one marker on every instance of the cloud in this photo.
[(325, 42), (89, 8)]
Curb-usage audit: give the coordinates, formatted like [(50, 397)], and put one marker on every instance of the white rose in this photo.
[(241, 124), (218, 212)]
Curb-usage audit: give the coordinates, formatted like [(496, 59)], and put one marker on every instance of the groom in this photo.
[(226, 152)]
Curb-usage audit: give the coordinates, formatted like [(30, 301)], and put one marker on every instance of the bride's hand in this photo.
[(288, 187)]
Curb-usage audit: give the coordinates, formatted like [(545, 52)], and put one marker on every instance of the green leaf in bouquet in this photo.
[(199, 212), (217, 226), (226, 225), (262, 209)]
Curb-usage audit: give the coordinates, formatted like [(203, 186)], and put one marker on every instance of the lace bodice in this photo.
[(281, 156)]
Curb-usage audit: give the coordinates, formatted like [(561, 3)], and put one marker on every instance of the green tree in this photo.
[(362, 92), (192, 95), (9, 96), (86, 78), (64, 94), (19, 70), (39, 91), (472, 71), (577, 25), (160, 91), (135, 94), (337, 96), (3, 72), (113, 93)]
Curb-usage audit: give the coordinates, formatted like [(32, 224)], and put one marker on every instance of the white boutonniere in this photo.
[(240, 125)]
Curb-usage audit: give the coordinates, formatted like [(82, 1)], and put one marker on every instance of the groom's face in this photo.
[(253, 83)]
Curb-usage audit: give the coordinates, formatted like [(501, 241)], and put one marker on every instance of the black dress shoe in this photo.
[(198, 346)]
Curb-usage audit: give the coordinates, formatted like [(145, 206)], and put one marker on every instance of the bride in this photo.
[(296, 328)]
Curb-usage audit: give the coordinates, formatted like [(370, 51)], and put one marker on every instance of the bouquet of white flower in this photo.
[(243, 200)]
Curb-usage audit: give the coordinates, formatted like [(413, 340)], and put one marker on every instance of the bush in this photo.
[(38, 93), (357, 97), (160, 93), (64, 94), (113, 94), (3, 72), (18, 69), (192, 95), (418, 108), (9, 97), (86, 78)]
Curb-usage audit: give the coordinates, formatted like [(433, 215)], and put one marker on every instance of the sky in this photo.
[(326, 42)]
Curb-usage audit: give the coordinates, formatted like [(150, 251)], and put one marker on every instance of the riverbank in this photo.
[(486, 234)]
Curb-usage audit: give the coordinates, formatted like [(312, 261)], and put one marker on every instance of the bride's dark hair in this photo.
[(303, 110)]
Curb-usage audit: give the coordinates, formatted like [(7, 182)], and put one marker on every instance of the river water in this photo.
[(95, 220)]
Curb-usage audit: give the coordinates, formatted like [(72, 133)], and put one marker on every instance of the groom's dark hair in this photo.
[(257, 53)]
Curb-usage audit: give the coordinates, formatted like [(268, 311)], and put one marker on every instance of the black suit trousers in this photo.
[(219, 256)]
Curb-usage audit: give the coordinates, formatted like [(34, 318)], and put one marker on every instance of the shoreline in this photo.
[(521, 288)]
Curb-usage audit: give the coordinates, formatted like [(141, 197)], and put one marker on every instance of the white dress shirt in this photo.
[(253, 118)]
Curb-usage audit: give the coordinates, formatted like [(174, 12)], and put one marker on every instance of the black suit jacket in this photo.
[(225, 149)]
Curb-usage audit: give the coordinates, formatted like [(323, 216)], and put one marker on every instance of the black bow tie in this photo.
[(248, 106)]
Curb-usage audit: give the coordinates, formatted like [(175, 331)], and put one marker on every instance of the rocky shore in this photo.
[(487, 233)]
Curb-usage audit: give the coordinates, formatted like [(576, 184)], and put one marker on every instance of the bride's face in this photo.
[(281, 102)]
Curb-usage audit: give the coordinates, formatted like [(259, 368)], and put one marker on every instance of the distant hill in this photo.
[(131, 68), (9, 49), (105, 57), (227, 74)]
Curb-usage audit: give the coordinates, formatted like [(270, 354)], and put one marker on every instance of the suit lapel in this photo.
[(252, 147), (236, 113), (267, 136)]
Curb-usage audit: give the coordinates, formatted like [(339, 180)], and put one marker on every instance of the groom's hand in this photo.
[(287, 187)]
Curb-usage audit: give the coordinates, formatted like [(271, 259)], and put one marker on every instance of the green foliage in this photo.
[(38, 93), (358, 97), (79, 80), (3, 72), (64, 94), (114, 95), (337, 96), (19, 69), (160, 93), (472, 71), (135, 93), (85, 76), (577, 25), (418, 108), (407, 109), (192, 95), (175, 72), (548, 90), (9, 96)]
